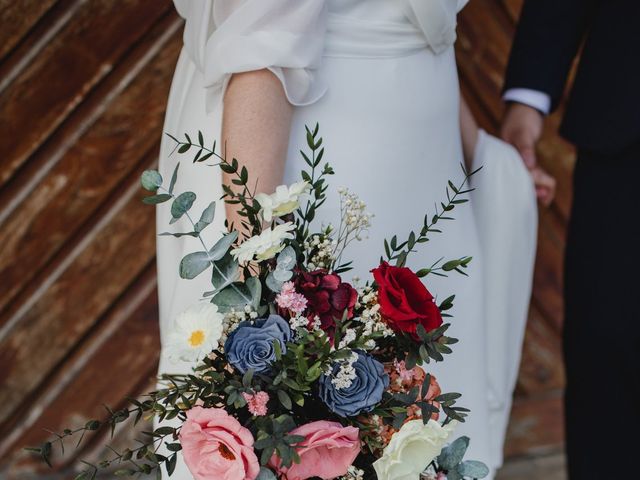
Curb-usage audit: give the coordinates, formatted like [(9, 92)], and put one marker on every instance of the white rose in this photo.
[(283, 201), (264, 246), (412, 449), (196, 333)]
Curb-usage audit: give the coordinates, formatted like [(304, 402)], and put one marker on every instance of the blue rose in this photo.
[(250, 346), (365, 392)]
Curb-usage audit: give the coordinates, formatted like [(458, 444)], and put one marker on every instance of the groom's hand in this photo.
[(522, 128)]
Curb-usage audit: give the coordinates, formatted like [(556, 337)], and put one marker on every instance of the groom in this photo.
[(602, 119)]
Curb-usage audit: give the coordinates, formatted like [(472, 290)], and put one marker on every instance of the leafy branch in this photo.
[(400, 251), (318, 185), (245, 198)]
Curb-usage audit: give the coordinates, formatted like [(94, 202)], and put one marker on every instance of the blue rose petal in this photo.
[(364, 393), (250, 345)]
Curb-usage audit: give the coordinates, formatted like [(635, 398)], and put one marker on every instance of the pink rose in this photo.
[(327, 451), (215, 445)]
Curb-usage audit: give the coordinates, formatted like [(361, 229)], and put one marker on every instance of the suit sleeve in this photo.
[(548, 37)]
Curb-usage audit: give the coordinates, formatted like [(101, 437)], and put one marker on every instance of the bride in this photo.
[(380, 78)]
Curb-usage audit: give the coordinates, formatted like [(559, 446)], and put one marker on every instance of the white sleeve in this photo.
[(224, 37), (538, 100)]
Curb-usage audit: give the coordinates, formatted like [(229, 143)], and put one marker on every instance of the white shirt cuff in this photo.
[(538, 100)]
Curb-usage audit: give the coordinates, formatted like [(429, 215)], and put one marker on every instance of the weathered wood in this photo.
[(541, 367), (548, 276), (17, 18), (115, 137), (536, 425), (80, 56), (104, 368), (118, 247)]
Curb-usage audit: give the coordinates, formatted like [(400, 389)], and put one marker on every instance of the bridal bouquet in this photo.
[(297, 373)]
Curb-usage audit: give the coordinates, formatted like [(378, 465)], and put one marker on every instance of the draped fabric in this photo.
[(289, 37)]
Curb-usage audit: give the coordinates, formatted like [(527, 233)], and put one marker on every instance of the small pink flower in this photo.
[(291, 300), (215, 445), (404, 374), (257, 403), (441, 476), (327, 451)]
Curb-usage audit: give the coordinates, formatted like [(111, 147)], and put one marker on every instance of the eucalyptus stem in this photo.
[(206, 249)]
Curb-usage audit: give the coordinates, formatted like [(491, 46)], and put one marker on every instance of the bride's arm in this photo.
[(255, 130)]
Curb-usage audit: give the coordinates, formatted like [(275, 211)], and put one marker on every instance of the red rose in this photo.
[(404, 301), (327, 295)]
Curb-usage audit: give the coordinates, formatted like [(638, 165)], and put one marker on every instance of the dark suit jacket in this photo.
[(603, 112)]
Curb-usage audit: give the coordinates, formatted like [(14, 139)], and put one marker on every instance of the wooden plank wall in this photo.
[(83, 85)]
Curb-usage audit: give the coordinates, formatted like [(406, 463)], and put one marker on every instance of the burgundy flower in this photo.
[(327, 295)]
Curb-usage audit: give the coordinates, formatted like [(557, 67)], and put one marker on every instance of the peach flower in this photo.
[(327, 451), (215, 445)]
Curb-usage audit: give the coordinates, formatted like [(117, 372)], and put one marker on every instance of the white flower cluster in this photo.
[(349, 336), (320, 248), (370, 315), (346, 373), (355, 218), (298, 324), (354, 473), (232, 319)]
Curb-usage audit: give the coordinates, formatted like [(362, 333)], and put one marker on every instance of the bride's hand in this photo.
[(545, 185)]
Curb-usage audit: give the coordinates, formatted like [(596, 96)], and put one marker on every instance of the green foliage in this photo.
[(193, 264), (151, 180), (451, 461), (206, 218), (317, 179), (181, 205), (225, 273), (283, 271), (399, 252), (292, 381)]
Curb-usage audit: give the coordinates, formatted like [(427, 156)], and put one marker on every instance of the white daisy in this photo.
[(264, 246), (283, 201), (196, 333)]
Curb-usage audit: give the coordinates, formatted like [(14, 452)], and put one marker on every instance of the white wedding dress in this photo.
[(380, 78)]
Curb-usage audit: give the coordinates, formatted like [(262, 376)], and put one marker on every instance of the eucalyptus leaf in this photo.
[(452, 454), (286, 258), (155, 199), (151, 180), (273, 284), (221, 247), (178, 234), (265, 474), (255, 289), (174, 178), (182, 204), (282, 275), (225, 272), (206, 218), (231, 298), (454, 475), (194, 264), (473, 469)]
